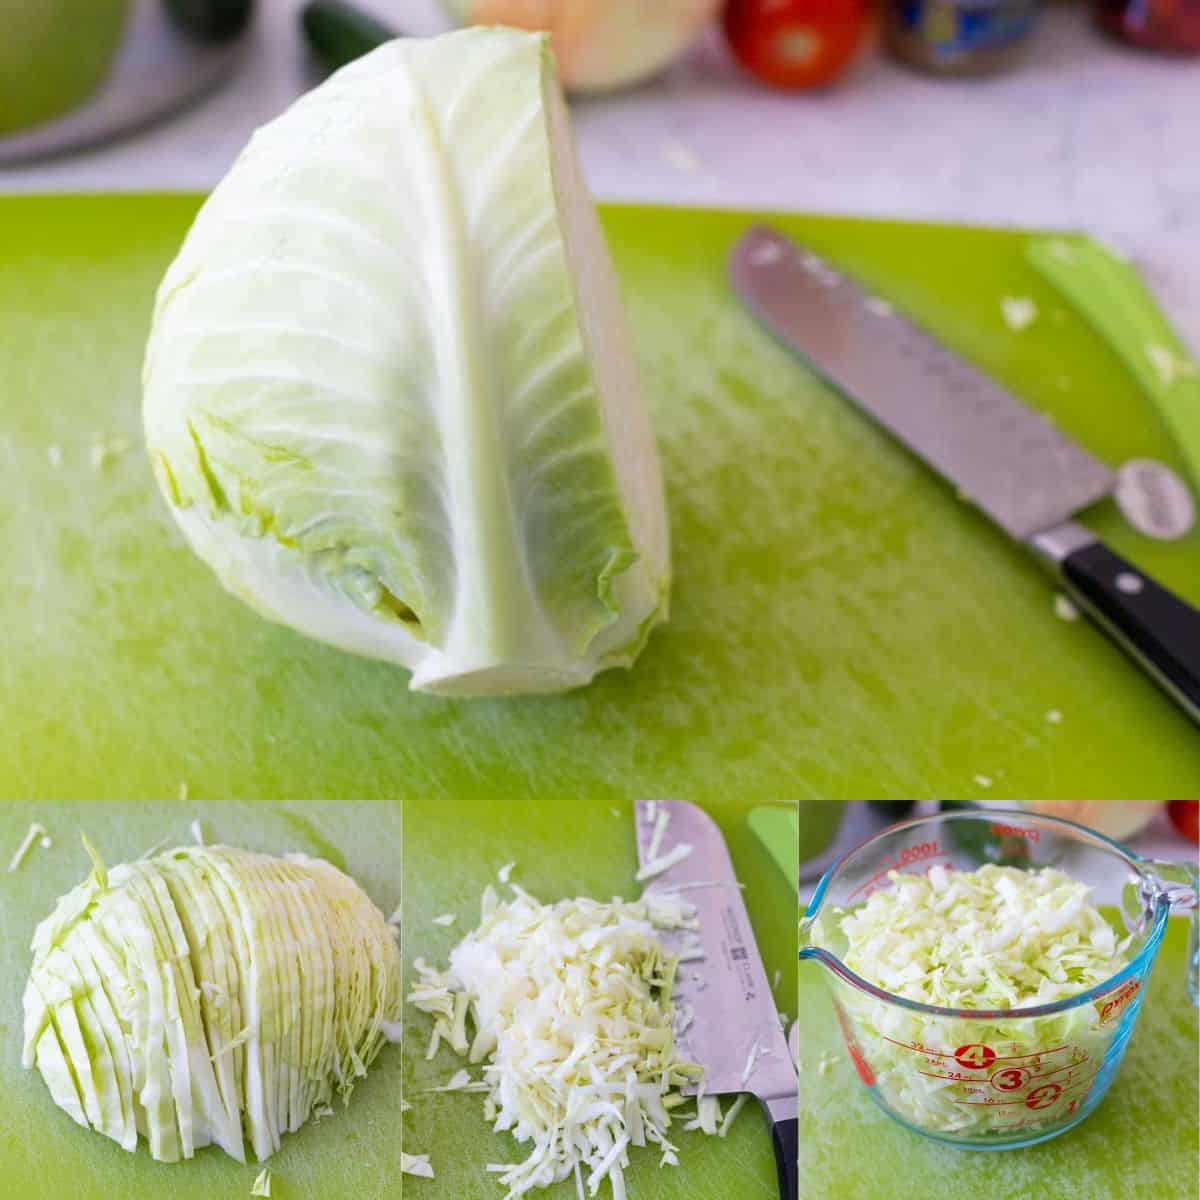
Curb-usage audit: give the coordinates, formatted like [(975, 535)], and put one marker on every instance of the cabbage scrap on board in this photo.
[(996, 938), (209, 996), (573, 1020), (389, 391)]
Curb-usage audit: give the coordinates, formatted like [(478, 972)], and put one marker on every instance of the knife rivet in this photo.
[(1129, 583)]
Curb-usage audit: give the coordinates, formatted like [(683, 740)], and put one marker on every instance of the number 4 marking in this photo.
[(975, 1057)]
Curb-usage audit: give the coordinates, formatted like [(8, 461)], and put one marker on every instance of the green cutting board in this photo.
[(564, 849), (1140, 1144), (354, 1153), (842, 626)]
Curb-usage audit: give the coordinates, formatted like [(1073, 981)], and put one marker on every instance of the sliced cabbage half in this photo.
[(390, 394), (209, 996)]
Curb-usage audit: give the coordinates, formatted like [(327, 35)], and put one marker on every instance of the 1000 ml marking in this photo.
[(926, 853), (1032, 1080)]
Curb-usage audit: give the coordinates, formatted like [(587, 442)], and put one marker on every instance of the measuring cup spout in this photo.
[(809, 949), (1178, 884)]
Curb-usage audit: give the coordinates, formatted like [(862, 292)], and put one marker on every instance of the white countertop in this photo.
[(1085, 135)]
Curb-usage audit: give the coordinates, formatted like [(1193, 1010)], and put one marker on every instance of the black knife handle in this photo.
[(785, 1135), (1149, 622)]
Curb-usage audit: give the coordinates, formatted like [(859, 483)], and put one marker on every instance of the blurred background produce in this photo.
[(55, 54), (124, 62), (1167, 832), (74, 73), (960, 37), (1169, 25), (600, 44)]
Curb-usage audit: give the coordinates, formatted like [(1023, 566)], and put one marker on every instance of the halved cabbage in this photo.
[(209, 995), (390, 395)]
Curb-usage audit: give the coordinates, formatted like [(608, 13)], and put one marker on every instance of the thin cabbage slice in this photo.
[(390, 395)]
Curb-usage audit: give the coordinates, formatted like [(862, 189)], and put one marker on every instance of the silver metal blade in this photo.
[(735, 1031), (1001, 455)]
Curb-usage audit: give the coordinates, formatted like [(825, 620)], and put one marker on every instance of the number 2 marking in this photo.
[(1044, 1096)]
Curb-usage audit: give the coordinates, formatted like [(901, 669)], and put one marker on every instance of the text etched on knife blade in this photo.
[(736, 951)]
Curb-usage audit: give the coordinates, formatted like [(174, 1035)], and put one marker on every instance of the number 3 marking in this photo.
[(1011, 1078)]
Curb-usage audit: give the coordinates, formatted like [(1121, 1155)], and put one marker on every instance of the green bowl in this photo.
[(53, 55)]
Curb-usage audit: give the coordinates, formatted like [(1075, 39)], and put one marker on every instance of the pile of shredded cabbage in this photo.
[(988, 939), (571, 1006), (998, 937)]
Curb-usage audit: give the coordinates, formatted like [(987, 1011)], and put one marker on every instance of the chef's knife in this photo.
[(1004, 457), (734, 1029)]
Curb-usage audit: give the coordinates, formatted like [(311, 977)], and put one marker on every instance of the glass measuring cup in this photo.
[(998, 1078)]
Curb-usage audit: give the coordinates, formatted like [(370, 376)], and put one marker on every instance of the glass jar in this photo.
[(959, 37)]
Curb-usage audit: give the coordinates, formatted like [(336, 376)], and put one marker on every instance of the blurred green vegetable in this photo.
[(214, 20), (338, 33)]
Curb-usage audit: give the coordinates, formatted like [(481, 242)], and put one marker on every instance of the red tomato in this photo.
[(1185, 816), (796, 43)]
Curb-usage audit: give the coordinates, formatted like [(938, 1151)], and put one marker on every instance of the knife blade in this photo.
[(1008, 460), (732, 1026)]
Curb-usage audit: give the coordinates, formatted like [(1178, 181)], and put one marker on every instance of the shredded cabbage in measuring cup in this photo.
[(993, 938)]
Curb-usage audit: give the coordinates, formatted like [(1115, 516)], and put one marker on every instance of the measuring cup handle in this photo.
[(786, 1137), (1180, 883), (1194, 960)]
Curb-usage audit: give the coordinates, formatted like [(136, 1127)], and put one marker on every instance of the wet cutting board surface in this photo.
[(451, 853), (842, 625), (354, 1153), (1140, 1144)]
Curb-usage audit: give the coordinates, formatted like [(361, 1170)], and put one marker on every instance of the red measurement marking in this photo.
[(1010, 1079), (860, 1063), (1027, 832), (893, 864), (1043, 1096), (1026, 1123), (919, 853), (918, 1049), (1066, 1067), (1085, 1082), (1118, 1002), (976, 1056), (1040, 1097)]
